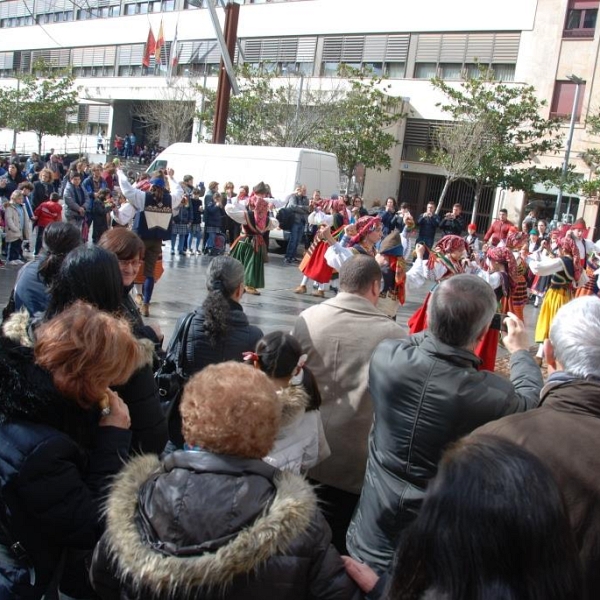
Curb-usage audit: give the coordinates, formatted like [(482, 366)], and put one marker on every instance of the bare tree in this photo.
[(458, 148), (170, 118)]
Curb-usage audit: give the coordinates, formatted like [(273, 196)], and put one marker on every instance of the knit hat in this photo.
[(392, 244), (157, 182), (471, 227), (260, 188)]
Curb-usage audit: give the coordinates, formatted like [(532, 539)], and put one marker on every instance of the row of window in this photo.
[(54, 14)]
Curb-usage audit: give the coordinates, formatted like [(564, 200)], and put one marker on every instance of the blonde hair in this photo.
[(86, 350), (231, 408)]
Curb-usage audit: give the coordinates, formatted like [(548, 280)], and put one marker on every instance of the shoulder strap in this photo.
[(184, 330)]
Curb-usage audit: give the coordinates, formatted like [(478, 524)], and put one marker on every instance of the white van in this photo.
[(281, 168)]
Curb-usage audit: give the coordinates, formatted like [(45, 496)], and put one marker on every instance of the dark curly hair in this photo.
[(224, 277)]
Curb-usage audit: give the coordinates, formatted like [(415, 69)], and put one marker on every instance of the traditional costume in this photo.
[(250, 248), (504, 282), (313, 265), (564, 273), (393, 275), (519, 297), (438, 267)]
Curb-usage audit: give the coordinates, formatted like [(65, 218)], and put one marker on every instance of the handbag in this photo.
[(170, 376)]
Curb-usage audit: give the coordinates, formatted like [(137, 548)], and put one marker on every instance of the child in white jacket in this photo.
[(301, 443)]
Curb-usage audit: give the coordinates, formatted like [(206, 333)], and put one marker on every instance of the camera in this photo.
[(498, 322)]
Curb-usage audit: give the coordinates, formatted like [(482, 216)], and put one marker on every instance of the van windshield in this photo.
[(156, 165)]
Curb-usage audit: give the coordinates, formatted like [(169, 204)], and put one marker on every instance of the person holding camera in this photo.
[(454, 222), (444, 397)]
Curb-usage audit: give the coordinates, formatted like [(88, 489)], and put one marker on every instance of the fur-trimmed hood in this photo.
[(253, 511), (294, 401), (20, 329)]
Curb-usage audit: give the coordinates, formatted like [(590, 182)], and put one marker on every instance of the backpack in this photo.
[(285, 216)]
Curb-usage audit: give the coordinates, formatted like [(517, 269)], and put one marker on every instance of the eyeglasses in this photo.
[(134, 262)]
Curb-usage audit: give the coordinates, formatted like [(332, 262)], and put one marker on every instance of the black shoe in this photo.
[(295, 260), (287, 261)]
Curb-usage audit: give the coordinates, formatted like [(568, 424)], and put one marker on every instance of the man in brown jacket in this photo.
[(339, 337), (564, 432)]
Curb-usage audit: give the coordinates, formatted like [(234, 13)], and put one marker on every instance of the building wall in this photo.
[(543, 57)]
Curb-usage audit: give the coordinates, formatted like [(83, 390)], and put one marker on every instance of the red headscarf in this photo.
[(505, 257), (516, 240), (450, 243), (364, 226), (261, 210), (569, 246)]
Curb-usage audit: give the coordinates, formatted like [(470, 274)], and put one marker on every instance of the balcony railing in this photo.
[(579, 33)]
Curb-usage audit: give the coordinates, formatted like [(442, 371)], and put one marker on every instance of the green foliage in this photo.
[(355, 129), (513, 130), (41, 103), (285, 111)]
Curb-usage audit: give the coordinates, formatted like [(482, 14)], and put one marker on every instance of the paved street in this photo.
[(183, 287)]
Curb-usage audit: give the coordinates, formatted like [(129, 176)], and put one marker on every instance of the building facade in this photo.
[(538, 42)]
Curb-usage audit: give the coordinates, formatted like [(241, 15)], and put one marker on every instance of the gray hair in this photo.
[(575, 336), (224, 274), (460, 310)]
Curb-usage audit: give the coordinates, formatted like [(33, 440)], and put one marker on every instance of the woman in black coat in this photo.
[(219, 330), (214, 521), (63, 437)]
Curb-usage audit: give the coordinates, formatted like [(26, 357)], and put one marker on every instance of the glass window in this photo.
[(589, 18), (306, 68), (330, 69), (451, 70), (472, 70), (130, 9), (114, 11), (504, 72), (425, 70), (395, 70), (377, 68), (168, 5), (143, 8)]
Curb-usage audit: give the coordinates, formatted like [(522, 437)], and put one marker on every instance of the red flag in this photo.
[(149, 49), (160, 42)]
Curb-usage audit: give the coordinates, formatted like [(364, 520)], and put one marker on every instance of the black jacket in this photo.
[(241, 337), (426, 395), (202, 525), (55, 465), (140, 393)]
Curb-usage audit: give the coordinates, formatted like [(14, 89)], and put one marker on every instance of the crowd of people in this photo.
[(349, 458)]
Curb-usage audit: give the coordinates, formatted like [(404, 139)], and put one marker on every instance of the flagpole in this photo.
[(173, 54)]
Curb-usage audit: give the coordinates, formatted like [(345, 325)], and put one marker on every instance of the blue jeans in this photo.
[(295, 237)]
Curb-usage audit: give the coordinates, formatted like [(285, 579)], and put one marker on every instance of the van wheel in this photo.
[(281, 243)]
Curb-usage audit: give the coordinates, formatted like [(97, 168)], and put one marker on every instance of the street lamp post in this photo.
[(577, 81)]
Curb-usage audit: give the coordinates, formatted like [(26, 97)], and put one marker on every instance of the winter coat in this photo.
[(564, 434), (41, 193), (148, 426), (214, 216), (300, 443), (427, 227), (48, 212), (55, 466), (30, 291), (202, 525), (74, 199), (339, 336), (241, 337), (12, 223), (199, 352), (426, 395)]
